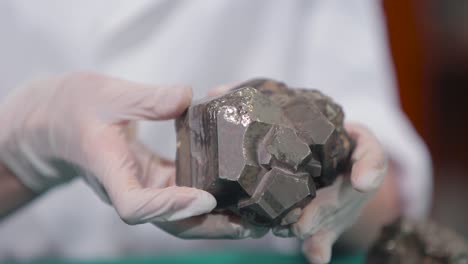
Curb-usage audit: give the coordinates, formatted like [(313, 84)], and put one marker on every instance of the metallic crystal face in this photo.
[(262, 149), (285, 147), (278, 193)]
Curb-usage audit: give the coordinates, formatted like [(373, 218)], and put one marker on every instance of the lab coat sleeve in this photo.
[(365, 85)]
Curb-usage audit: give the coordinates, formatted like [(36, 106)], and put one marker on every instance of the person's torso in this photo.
[(320, 44)]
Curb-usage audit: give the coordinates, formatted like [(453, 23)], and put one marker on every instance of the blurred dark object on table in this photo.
[(429, 45), (408, 242)]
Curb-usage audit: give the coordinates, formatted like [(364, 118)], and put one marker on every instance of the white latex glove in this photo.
[(55, 129), (338, 206), (80, 124)]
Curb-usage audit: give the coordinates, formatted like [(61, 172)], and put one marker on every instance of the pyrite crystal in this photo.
[(407, 242), (262, 149)]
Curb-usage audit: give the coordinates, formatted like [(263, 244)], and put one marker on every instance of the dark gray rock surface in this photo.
[(262, 149)]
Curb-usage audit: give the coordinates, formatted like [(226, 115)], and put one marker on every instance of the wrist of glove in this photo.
[(26, 138)]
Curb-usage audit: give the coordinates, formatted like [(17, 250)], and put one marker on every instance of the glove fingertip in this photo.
[(221, 89), (172, 101), (243, 232), (201, 203), (207, 201), (317, 249), (367, 182), (283, 231)]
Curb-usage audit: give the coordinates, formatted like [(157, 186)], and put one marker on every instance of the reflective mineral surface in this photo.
[(262, 149)]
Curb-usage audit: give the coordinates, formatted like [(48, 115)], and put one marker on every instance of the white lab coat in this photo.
[(339, 47)]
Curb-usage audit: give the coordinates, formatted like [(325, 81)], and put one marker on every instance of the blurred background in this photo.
[(429, 44)]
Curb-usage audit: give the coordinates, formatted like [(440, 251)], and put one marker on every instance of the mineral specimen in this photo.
[(262, 149), (409, 242)]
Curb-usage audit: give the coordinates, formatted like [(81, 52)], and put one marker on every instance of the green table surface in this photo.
[(207, 258)]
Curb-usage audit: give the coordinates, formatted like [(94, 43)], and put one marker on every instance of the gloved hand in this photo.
[(61, 127), (81, 124), (337, 207)]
